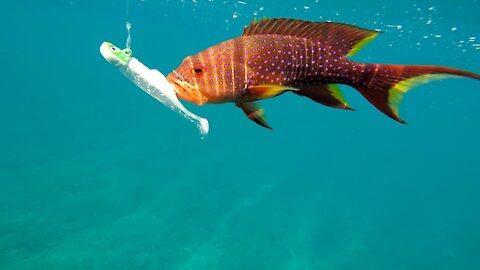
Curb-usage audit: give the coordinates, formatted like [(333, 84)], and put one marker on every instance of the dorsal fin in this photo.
[(345, 39)]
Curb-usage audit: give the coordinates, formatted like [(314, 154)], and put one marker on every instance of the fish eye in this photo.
[(113, 49), (197, 71)]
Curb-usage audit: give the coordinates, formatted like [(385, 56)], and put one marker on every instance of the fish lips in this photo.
[(179, 84)]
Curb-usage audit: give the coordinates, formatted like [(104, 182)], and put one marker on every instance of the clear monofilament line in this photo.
[(129, 35), (128, 25)]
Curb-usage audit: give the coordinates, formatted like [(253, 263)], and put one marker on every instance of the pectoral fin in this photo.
[(255, 113), (264, 91)]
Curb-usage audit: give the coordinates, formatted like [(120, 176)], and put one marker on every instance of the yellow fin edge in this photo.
[(270, 90), (337, 93), (396, 93), (357, 47)]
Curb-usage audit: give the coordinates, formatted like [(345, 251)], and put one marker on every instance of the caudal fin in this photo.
[(388, 84)]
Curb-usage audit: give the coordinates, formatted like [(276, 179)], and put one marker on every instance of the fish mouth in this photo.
[(176, 86), (180, 84), (183, 89)]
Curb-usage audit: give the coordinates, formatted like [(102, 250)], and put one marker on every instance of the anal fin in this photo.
[(325, 94), (255, 113)]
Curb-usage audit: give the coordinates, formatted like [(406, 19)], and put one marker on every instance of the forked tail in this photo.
[(385, 85)]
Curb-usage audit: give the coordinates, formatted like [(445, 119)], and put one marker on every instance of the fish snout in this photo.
[(179, 84), (183, 88), (179, 81)]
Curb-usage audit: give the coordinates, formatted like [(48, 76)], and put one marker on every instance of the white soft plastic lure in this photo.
[(151, 81)]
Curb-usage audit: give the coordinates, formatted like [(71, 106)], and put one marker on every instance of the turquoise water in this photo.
[(95, 174)]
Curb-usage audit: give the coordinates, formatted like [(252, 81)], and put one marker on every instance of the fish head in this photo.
[(190, 79), (115, 55)]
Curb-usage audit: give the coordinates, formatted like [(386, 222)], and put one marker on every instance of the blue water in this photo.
[(95, 174)]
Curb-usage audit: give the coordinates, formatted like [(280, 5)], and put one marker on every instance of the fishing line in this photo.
[(129, 34), (128, 25)]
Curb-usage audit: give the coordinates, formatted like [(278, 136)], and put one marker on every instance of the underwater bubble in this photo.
[(398, 26)]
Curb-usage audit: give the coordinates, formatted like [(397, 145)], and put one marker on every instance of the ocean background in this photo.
[(95, 174)]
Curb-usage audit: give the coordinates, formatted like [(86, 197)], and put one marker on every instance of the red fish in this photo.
[(274, 56)]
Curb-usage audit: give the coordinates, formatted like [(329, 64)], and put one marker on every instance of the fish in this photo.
[(310, 59)]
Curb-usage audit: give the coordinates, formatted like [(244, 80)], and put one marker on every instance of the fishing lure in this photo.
[(149, 80)]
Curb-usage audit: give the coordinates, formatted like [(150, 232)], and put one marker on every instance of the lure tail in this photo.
[(386, 85)]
